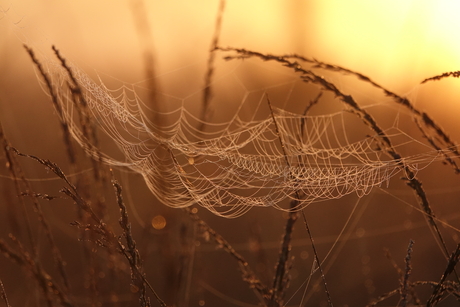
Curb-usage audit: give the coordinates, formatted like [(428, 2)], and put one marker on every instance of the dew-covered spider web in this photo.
[(264, 146)]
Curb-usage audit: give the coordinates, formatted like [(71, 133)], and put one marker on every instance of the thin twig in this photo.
[(54, 98), (134, 257), (407, 272), (455, 74), (207, 94), (279, 283), (437, 292), (3, 294), (248, 274), (144, 33), (86, 123), (329, 300)]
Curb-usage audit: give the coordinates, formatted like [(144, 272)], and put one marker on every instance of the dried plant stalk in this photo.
[(405, 280), (54, 99), (101, 227), (455, 74), (438, 290), (3, 294), (86, 123), (207, 94), (263, 293)]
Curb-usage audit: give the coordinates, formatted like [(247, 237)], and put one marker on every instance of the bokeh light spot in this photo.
[(159, 222)]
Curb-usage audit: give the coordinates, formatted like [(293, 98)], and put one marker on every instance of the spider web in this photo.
[(258, 156)]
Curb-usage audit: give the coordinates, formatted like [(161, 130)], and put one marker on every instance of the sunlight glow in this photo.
[(409, 37)]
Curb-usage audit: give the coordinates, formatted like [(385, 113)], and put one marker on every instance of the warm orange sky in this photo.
[(397, 43), (414, 36)]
